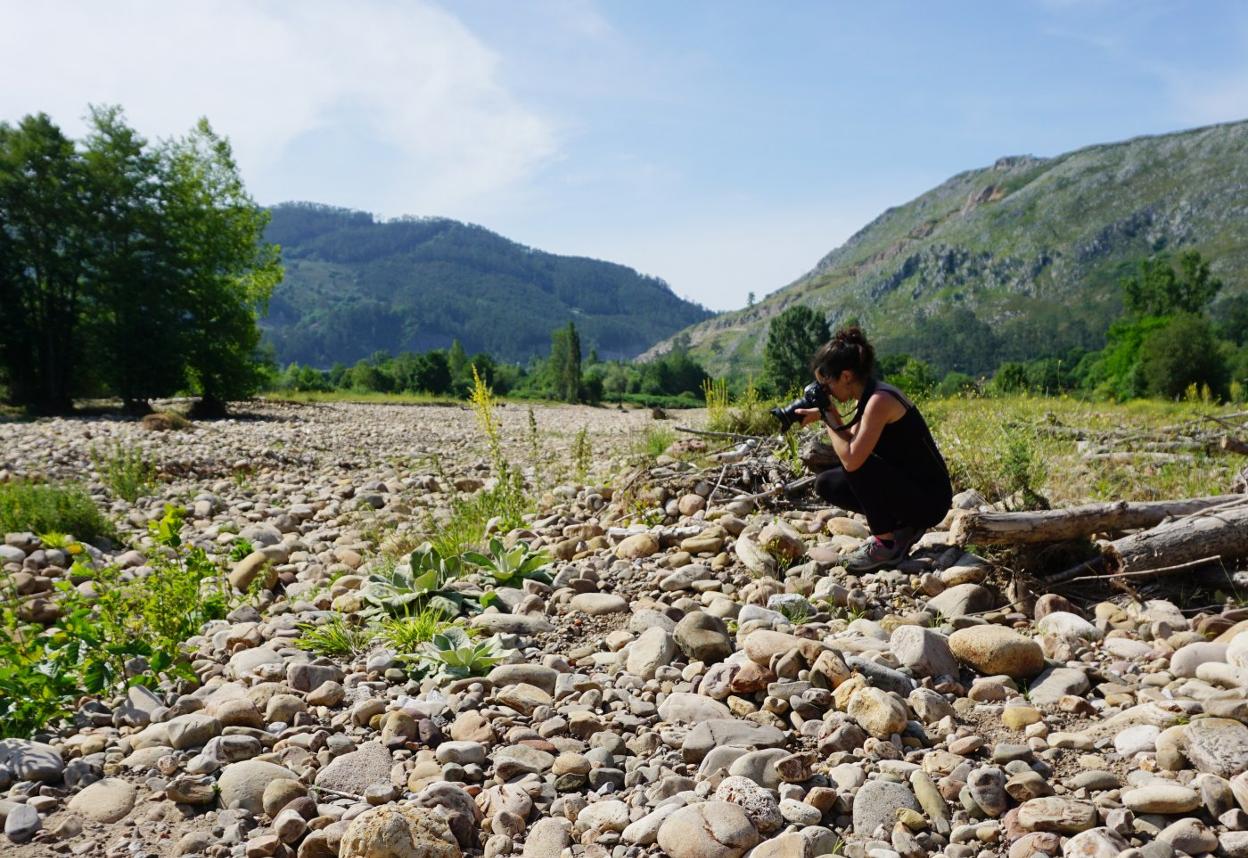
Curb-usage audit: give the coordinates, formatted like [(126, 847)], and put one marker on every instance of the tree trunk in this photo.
[(1215, 535), (1060, 525)]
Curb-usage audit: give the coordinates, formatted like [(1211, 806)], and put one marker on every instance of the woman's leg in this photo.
[(889, 497), (833, 486)]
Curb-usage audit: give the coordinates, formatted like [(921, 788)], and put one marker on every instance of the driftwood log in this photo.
[(1078, 522), (1215, 535)]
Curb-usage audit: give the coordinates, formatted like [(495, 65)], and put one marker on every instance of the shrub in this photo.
[(656, 441), (955, 384), (405, 635), (45, 508)]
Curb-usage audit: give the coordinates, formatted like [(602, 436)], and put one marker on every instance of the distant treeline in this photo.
[(675, 379), (127, 269)]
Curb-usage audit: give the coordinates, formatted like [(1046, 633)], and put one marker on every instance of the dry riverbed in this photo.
[(701, 679)]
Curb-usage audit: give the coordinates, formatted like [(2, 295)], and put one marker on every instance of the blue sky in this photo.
[(723, 146)]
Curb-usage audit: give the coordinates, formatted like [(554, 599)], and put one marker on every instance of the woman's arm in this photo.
[(853, 446)]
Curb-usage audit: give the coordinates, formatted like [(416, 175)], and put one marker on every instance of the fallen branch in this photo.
[(735, 436), (1061, 525)]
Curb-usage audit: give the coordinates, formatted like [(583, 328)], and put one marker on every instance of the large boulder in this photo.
[(357, 771), (31, 761)]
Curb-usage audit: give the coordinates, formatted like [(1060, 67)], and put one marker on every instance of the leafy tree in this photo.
[(227, 271), (135, 316), (1230, 317), (955, 384), (457, 361), (41, 245), (914, 376), (1182, 352), (792, 339), (1010, 377), (1158, 290)]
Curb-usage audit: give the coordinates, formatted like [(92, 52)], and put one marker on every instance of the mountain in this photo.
[(1018, 260), (355, 285)]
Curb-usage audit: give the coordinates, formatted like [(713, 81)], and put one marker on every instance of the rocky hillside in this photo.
[(1025, 254), (355, 285)]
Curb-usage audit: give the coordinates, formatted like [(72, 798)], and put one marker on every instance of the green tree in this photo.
[(42, 247), (1157, 289), (457, 362), (1010, 377), (1182, 352), (1230, 316), (134, 319), (228, 272), (792, 339)]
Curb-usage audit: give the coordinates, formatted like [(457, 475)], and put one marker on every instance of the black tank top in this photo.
[(907, 443)]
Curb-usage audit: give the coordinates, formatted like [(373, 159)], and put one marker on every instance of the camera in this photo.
[(813, 396)]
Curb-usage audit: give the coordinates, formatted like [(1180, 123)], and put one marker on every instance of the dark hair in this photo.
[(848, 349)]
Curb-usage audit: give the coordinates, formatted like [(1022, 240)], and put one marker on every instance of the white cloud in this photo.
[(407, 78)]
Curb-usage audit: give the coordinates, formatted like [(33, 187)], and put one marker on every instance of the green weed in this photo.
[(582, 454), (126, 471)]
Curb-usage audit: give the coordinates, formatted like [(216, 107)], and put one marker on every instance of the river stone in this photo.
[(1096, 843), (21, 823), (1187, 658), (925, 651), (549, 836), (703, 637), (758, 803), (1067, 625), (681, 707), (31, 761), (728, 732), (399, 831), (357, 771), (996, 650), (1161, 798), (1052, 685), (960, 600), (1057, 814), (530, 674), (511, 624), (596, 604), (876, 804), (877, 712), (242, 784), (712, 829), (655, 648), (106, 800), (637, 546), (1216, 745)]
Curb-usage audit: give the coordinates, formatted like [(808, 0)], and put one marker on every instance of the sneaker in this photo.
[(874, 554)]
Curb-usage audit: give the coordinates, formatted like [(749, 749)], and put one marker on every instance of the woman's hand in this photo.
[(808, 415)]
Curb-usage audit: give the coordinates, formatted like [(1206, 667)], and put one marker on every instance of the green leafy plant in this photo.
[(422, 583), (240, 548), (46, 508), (131, 632), (335, 638), (451, 654), (127, 471), (509, 567)]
